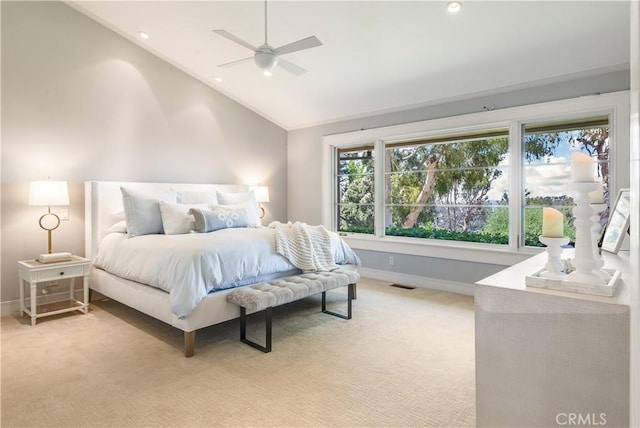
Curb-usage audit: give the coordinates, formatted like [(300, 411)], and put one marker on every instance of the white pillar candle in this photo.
[(552, 223), (581, 167), (597, 196)]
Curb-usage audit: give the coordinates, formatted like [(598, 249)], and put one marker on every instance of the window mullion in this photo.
[(379, 198), (516, 183)]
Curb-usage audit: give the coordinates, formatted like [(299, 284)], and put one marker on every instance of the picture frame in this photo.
[(618, 223)]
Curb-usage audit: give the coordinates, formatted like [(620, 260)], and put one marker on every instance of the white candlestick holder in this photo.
[(554, 268), (595, 236), (585, 262), (589, 276)]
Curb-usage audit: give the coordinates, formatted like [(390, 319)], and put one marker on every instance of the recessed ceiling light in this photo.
[(454, 6), (218, 79), (143, 35)]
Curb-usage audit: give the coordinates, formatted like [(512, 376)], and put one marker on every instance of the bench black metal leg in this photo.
[(243, 329), (350, 290), (269, 319)]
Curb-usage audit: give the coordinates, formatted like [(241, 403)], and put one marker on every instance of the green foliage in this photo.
[(449, 235), (497, 222), (432, 233), (539, 146), (357, 229), (357, 190)]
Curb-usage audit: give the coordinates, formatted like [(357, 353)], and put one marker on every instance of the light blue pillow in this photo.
[(142, 211), (208, 220)]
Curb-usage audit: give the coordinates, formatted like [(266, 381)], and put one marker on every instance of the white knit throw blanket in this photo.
[(307, 247)]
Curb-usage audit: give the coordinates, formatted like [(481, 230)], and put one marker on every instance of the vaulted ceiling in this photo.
[(376, 56)]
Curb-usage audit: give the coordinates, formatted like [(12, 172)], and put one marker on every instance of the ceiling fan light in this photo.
[(265, 60)]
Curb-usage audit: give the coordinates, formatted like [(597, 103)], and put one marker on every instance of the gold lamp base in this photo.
[(49, 222)]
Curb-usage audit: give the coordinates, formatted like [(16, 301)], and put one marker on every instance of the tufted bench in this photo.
[(267, 295)]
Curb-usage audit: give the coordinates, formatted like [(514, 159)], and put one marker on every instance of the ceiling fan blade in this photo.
[(291, 67), (233, 38), (236, 62), (309, 42)]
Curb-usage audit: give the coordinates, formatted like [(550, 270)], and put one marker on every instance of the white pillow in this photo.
[(197, 197), (246, 199), (176, 219), (142, 211), (119, 227)]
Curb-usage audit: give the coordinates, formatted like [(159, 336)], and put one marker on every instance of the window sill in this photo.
[(467, 251)]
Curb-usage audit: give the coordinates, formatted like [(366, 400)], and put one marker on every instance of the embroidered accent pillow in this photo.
[(218, 217), (244, 199)]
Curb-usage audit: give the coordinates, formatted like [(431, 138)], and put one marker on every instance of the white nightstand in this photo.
[(34, 272)]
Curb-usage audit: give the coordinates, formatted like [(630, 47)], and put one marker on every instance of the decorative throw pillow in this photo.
[(245, 199), (142, 211), (219, 217), (176, 218)]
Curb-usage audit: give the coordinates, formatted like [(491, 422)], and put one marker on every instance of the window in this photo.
[(471, 187), (448, 187), (547, 158), (355, 190)]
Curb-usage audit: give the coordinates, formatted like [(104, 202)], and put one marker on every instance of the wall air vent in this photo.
[(405, 287)]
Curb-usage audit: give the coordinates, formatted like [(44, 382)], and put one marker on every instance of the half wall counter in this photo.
[(551, 358)]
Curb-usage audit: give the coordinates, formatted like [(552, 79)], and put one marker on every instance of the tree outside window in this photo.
[(446, 188), (356, 190), (547, 169)]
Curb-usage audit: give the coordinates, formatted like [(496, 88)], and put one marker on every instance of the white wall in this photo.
[(80, 103)]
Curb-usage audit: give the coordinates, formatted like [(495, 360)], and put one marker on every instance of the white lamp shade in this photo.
[(49, 193), (261, 193)]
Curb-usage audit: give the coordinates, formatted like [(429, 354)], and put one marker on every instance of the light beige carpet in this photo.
[(405, 359)]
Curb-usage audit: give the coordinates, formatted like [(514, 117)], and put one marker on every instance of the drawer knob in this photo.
[(62, 273)]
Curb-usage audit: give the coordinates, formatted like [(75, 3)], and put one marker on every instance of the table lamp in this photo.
[(262, 195), (49, 193)]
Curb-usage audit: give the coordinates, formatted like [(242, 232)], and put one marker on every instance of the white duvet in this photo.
[(192, 265)]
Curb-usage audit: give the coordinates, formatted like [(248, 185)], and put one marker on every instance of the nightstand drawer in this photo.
[(62, 272)]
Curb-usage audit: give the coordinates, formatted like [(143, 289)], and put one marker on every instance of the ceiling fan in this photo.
[(267, 57)]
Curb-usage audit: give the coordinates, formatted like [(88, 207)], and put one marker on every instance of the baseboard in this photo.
[(418, 281), (9, 307), (13, 306)]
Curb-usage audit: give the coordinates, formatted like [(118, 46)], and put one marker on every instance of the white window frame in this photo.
[(615, 105)]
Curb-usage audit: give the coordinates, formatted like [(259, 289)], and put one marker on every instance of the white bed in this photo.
[(103, 208)]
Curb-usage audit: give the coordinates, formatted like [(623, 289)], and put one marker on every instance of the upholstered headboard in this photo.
[(103, 204)]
